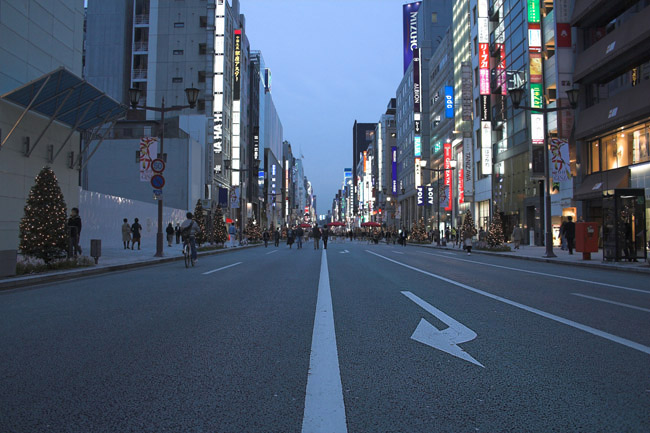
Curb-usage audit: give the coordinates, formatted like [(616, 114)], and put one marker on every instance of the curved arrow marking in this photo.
[(446, 340)]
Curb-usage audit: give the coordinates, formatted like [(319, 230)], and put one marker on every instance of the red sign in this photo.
[(484, 56), (563, 38), (448, 178), (461, 187)]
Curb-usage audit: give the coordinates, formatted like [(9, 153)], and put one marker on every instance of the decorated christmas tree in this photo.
[(468, 228), (419, 232), (495, 233), (43, 228), (201, 237), (219, 233), (253, 231)]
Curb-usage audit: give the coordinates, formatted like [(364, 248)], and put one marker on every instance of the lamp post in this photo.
[(452, 166), (256, 168), (516, 96), (192, 95)]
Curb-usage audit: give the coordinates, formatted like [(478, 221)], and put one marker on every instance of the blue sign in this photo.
[(393, 152), (418, 146), (410, 24), (157, 181), (449, 102)]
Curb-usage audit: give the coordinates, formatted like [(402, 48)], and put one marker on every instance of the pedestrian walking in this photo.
[(265, 237), (402, 237), (232, 232), (135, 233), (467, 241), (290, 237), (74, 226), (325, 235), (299, 234), (170, 234), (276, 237), (517, 236), (126, 234), (177, 230), (315, 232), (569, 232)]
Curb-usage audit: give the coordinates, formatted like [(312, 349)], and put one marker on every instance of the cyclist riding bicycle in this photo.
[(189, 229)]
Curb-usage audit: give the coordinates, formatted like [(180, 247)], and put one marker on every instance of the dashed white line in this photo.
[(612, 302), (611, 337), (324, 407), (220, 269), (397, 252), (540, 273), (271, 252)]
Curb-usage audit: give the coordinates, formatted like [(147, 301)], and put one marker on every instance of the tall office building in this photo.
[(362, 136)]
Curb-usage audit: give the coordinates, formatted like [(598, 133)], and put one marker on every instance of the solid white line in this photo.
[(271, 252), (612, 302), (225, 267), (542, 273), (625, 342), (324, 407)]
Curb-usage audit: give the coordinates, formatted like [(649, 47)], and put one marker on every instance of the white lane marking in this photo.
[(448, 253), (397, 252), (446, 340), (543, 273), (271, 252), (324, 407), (611, 337), (345, 252), (612, 302), (220, 269)]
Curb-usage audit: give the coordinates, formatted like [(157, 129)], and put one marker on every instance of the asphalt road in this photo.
[(390, 339)]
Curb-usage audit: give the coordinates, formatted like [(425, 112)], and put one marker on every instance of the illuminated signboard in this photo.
[(483, 30), (237, 67), (418, 172), (420, 195), (417, 141), (484, 81), (447, 175), (437, 147), (449, 102), (486, 147), (468, 167), (536, 95), (534, 14), (485, 107), (537, 128), (417, 87), (410, 29), (393, 151)]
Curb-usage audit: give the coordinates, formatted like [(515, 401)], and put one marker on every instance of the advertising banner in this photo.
[(430, 195), (468, 167), (486, 148), (237, 67), (461, 178), (466, 88), (417, 87), (559, 157), (148, 152), (485, 107), (449, 102), (223, 197), (410, 29), (447, 174), (534, 14), (420, 195), (393, 153), (444, 195), (537, 128), (418, 172), (233, 199)]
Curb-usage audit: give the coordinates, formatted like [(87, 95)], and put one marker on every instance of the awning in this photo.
[(68, 99), (595, 185)]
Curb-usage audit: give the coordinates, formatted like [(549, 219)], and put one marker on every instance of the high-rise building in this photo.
[(362, 136)]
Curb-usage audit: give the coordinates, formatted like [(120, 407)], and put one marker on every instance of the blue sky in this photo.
[(332, 61)]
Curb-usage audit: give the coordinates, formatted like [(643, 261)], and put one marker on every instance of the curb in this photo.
[(25, 281), (596, 265)]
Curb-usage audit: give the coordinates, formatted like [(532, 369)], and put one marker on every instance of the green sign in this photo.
[(437, 147), (534, 14), (536, 95)]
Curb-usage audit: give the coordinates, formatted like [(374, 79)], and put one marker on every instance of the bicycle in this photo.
[(187, 252)]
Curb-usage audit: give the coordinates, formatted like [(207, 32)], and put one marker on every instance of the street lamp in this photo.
[(516, 96), (192, 95), (452, 166)]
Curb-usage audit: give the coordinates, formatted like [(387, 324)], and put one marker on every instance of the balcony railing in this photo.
[(139, 74), (141, 46), (142, 19)]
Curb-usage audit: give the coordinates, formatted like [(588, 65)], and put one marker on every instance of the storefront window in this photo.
[(626, 147)]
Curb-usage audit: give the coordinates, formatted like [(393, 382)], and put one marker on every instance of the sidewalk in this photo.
[(112, 259), (535, 253)]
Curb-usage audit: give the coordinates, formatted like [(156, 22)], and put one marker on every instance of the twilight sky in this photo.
[(331, 61)]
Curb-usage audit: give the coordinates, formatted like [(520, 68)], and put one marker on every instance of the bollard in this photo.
[(95, 249)]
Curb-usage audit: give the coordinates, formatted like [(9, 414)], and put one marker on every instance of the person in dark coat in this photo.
[(569, 232), (135, 231), (299, 234), (74, 226), (170, 234), (177, 230), (266, 236), (290, 237), (276, 237), (325, 233), (315, 232)]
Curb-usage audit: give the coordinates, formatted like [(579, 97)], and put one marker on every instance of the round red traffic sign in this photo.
[(158, 165), (157, 181)]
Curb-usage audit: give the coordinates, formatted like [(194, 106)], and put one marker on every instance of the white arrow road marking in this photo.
[(540, 273), (446, 340), (220, 269), (324, 407), (612, 302), (593, 331), (345, 252)]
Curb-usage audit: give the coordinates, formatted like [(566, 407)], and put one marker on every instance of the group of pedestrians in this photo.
[(131, 233), (297, 235)]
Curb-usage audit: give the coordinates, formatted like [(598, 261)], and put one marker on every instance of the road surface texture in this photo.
[(357, 338)]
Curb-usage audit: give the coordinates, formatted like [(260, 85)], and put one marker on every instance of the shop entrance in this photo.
[(624, 235)]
